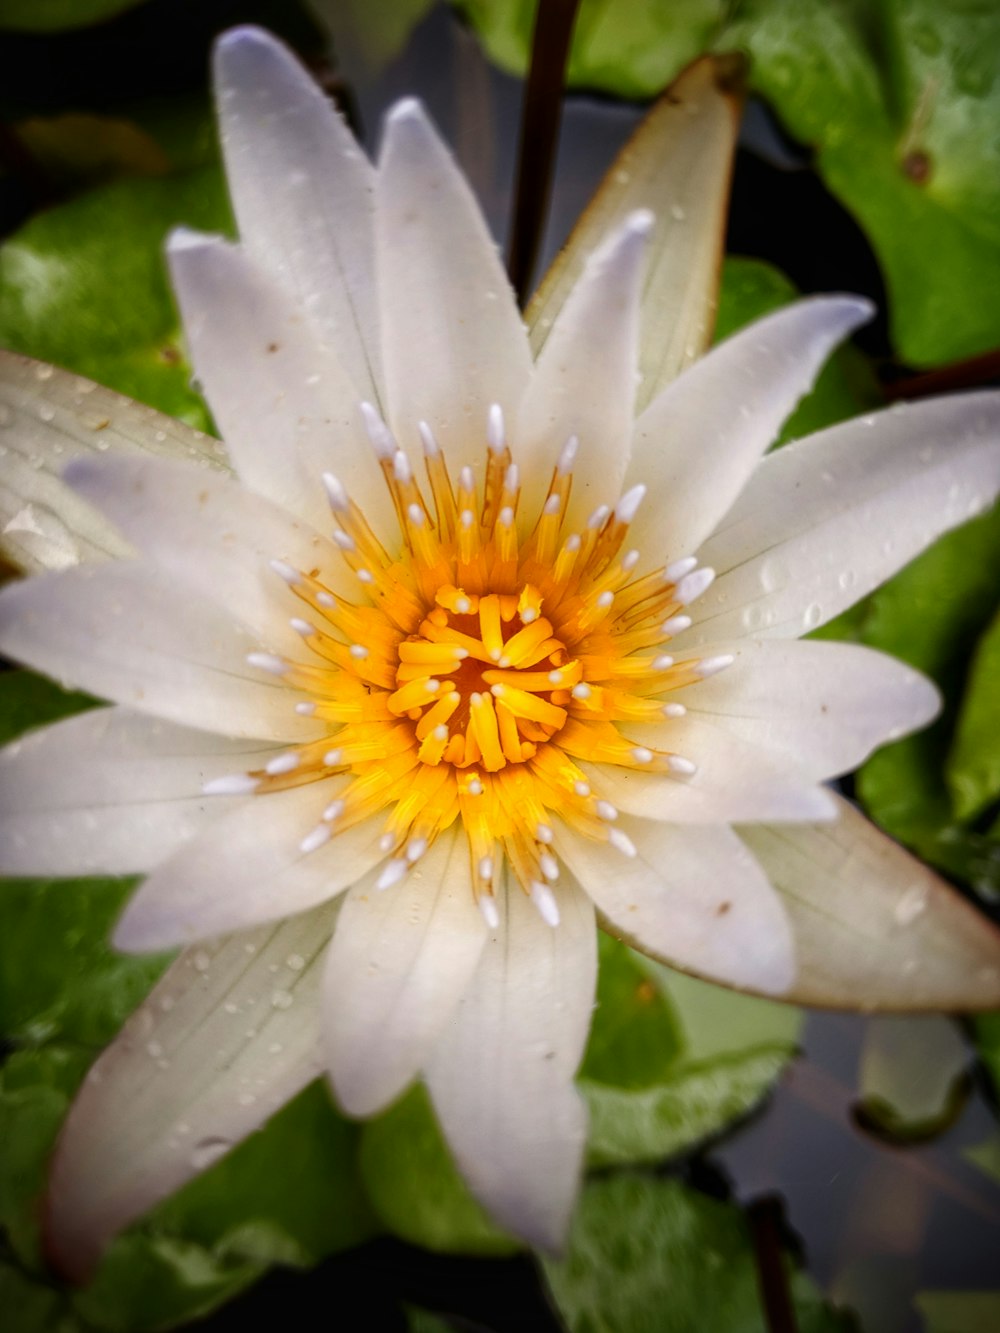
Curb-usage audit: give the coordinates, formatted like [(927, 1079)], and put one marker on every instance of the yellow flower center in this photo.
[(485, 659)]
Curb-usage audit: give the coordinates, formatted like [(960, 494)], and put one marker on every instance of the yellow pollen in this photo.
[(479, 667)]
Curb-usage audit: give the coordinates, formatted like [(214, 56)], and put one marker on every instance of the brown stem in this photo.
[(540, 118), (772, 1273), (971, 374)]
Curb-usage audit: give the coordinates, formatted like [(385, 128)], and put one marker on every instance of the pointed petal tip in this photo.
[(408, 110), (848, 311), (246, 40)]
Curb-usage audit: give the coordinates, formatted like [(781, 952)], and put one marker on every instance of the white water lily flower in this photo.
[(470, 644)]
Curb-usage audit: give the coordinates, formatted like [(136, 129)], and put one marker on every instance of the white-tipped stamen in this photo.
[(544, 832), (621, 842), (345, 542), (545, 903), (581, 691), (582, 789), (305, 708), (467, 479), (485, 868), (314, 840), (641, 755), (555, 677), (431, 446), (282, 763), (335, 493), (694, 584), (327, 598), (628, 506), (506, 517), (401, 469), (566, 455), (274, 666), (378, 432), (549, 866), (475, 787), (365, 576), (681, 766), (629, 560), (710, 666), (233, 784), (663, 662), (495, 436), (678, 568), (286, 572), (394, 871), (512, 478), (334, 810), (415, 514), (606, 811), (387, 842), (358, 651), (599, 517), (674, 710), (415, 849), (675, 625), (332, 758), (488, 908), (552, 505), (302, 627), (605, 599)]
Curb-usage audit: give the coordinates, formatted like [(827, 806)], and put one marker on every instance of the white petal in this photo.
[(696, 445), (735, 780), (693, 897), (51, 417), (873, 927), (825, 520), (126, 633), (213, 536), (453, 340), (111, 792), (501, 1077), (302, 192), (677, 164), (400, 960), (584, 381), (246, 869), (287, 408), (825, 705), (222, 1042)]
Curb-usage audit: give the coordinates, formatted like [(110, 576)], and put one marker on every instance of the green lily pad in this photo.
[(973, 769), (56, 15), (646, 1254), (986, 1156), (959, 1311), (84, 285), (986, 1031), (932, 615)]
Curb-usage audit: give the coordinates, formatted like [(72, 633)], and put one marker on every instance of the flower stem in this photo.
[(540, 117)]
